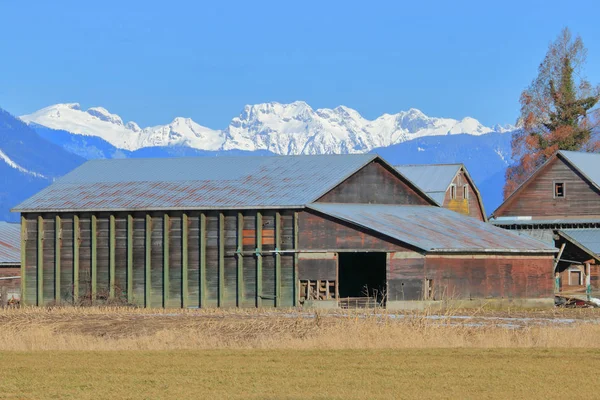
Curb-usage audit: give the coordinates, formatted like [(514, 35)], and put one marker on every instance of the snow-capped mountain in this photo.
[(293, 128)]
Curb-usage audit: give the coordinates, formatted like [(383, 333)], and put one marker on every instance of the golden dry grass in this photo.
[(293, 374)]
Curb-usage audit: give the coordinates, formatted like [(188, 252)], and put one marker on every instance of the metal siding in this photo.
[(432, 228)]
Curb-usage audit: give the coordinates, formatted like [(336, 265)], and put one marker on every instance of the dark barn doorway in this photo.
[(362, 279)]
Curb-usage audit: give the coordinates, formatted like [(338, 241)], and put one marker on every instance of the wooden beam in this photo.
[(94, 256), (57, 248), (221, 259), (23, 259), (184, 261), (240, 260), (202, 277), (111, 256), (259, 224), (558, 256), (166, 227), (129, 258), (295, 273), (76, 240), (40, 261), (147, 262), (277, 259)]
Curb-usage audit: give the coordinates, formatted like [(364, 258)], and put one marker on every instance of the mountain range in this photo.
[(42, 146)]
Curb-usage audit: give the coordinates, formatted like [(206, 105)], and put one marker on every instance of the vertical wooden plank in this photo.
[(221, 258), (76, 236), (111, 254), (23, 258), (94, 253), (166, 227), (147, 264), (277, 259), (296, 280), (57, 245), (40, 261), (202, 284), (184, 261), (240, 259), (259, 225), (129, 258)]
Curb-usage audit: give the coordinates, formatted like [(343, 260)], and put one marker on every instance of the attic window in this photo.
[(466, 192), (559, 189), (453, 192)]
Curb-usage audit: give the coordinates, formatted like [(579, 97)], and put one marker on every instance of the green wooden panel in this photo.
[(76, 242), (40, 261), (129, 258), (184, 261), (202, 274), (240, 259), (94, 255), (111, 254), (259, 273), (165, 240), (296, 281), (221, 266), (23, 259), (147, 262), (57, 247), (278, 293)]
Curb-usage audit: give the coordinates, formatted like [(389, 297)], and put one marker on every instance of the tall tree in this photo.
[(557, 111)]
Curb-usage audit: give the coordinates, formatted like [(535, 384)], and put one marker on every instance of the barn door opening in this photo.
[(362, 279)]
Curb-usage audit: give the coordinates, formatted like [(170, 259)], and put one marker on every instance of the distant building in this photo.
[(450, 185), (331, 230), (10, 260), (560, 204)]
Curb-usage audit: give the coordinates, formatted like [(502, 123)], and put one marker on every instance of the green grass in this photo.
[(323, 374)]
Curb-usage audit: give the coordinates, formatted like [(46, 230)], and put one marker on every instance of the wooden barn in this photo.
[(10, 261), (450, 185), (560, 204), (332, 230)]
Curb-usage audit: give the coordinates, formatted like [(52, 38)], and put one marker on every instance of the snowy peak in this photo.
[(294, 128)]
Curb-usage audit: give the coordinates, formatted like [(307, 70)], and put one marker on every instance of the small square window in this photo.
[(559, 189)]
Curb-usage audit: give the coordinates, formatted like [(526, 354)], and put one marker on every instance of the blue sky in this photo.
[(150, 61)]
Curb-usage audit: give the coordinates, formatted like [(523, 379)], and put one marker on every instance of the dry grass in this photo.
[(94, 329)]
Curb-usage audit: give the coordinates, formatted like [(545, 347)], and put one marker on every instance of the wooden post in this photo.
[(295, 274), (94, 253), (221, 259), (184, 261), (57, 245), (202, 277), (147, 265), (240, 259), (558, 256), (76, 239), (277, 259), (40, 260), (259, 293), (166, 227), (111, 256), (129, 258), (23, 260)]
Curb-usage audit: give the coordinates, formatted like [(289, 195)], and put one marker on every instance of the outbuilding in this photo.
[(330, 230)]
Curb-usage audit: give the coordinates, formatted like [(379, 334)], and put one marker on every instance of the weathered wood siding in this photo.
[(466, 206), (157, 259), (471, 277), (373, 184), (536, 199)]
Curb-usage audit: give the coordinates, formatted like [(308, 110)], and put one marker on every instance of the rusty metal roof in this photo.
[(433, 229), (432, 178), (196, 183), (10, 243)]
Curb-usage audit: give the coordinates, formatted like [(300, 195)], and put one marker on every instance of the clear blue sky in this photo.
[(150, 61)]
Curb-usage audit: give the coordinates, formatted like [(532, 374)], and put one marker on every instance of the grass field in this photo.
[(324, 374), (83, 353)]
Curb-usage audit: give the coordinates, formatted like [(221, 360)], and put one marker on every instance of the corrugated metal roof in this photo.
[(196, 183), (430, 177), (10, 243), (587, 163), (589, 238), (433, 229), (506, 221)]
